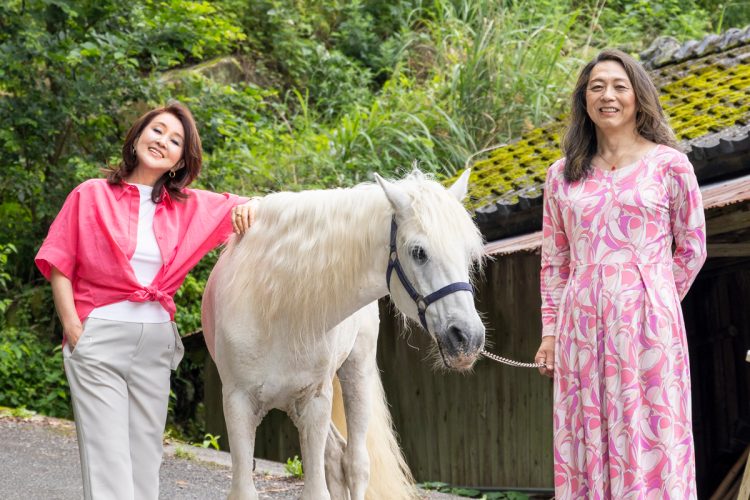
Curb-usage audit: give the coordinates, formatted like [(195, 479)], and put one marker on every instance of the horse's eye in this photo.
[(419, 255)]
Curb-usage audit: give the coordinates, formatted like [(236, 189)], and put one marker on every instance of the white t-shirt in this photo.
[(146, 263)]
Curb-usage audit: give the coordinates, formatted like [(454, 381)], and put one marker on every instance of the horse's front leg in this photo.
[(356, 376), (312, 416), (242, 419)]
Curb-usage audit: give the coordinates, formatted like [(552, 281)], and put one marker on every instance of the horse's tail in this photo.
[(390, 478)]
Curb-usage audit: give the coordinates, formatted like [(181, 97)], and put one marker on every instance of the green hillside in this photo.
[(288, 94)]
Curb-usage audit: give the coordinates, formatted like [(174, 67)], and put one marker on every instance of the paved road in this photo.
[(39, 460)]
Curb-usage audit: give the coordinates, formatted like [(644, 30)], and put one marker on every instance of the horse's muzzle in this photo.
[(460, 345)]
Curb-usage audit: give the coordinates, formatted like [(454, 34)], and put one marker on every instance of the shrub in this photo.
[(32, 375)]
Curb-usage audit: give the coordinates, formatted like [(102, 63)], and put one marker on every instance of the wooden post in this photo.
[(745, 486)]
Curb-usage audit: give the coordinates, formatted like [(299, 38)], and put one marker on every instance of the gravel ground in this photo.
[(39, 460)]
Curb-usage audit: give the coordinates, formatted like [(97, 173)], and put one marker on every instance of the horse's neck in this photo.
[(316, 258), (358, 246)]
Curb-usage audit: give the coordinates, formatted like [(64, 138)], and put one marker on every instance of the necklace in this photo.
[(613, 165)]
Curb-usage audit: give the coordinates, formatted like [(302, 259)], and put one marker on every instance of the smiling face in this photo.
[(158, 149), (610, 99)]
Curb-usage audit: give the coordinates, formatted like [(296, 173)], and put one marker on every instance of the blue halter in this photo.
[(421, 301)]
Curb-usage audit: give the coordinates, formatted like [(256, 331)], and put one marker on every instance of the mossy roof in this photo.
[(707, 100)]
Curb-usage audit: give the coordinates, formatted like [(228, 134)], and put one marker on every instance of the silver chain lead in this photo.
[(511, 362)]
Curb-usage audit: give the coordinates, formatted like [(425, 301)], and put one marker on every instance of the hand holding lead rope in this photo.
[(511, 362)]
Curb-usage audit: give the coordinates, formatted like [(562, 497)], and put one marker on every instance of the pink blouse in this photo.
[(93, 238)]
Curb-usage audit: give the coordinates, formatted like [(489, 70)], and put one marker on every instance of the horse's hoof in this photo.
[(243, 495)]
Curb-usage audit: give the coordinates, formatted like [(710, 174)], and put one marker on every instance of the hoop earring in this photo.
[(132, 148), (171, 174)]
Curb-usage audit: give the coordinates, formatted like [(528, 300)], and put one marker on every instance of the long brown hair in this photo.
[(190, 161), (579, 144)]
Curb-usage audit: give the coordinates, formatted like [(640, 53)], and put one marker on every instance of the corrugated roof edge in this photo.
[(666, 50)]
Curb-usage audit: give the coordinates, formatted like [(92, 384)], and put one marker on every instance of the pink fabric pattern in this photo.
[(611, 291)]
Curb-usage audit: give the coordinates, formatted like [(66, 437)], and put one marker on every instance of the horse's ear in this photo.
[(461, 186), (396, 196)]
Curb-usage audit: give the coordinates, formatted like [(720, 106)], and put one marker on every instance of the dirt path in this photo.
[(39, 459)]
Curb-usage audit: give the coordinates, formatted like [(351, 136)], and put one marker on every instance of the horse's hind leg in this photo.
[(241, 421), (356, 376), (334, 463)]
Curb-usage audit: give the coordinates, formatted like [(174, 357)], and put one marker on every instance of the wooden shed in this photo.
[(493, 428)]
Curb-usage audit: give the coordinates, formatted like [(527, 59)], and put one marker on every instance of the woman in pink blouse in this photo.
[(613, 336), (116, 254)]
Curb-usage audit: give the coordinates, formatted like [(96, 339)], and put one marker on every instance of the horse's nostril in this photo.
[(457, 336)]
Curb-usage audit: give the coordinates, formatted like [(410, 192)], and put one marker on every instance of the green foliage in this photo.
[(184, 453), (174, 32), (210, 440), (301, 39), (16, 412), (505, 495), (472, 493), (31, 374), (294, 467), (188, 315), (725, 15), (498, 67), (683, 19), (5, 277)]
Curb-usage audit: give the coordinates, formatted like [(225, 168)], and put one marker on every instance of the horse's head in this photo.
[(436, 247)]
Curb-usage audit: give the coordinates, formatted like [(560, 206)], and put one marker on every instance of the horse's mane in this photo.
[(307, 251)]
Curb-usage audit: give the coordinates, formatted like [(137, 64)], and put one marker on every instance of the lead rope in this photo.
[(510, 362)]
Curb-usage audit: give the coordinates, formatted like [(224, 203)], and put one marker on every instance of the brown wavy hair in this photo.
[(191, 160), (580, 145)]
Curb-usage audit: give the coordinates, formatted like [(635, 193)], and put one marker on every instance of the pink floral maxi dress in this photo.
[(611, 291)]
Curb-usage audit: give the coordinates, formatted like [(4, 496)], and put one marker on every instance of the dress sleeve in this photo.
[(688, 224), (60, 246), (555, 254)]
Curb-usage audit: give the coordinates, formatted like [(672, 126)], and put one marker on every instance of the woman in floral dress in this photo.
[(613, 334)]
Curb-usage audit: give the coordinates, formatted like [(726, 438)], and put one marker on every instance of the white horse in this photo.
[(292, 304)]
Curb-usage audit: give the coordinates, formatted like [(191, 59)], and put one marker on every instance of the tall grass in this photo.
[(469, 74), (463, 75), (501, 64)]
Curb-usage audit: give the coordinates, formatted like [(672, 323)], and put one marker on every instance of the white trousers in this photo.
[(119, 384)]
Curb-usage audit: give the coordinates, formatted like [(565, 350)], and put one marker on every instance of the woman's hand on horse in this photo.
[(243, 216), (546, 355)]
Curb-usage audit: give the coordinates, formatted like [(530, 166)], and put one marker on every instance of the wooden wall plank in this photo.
[(494, 426), (740, 249), (728, 219)]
